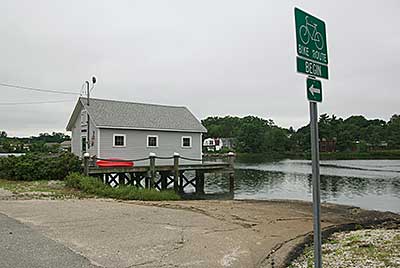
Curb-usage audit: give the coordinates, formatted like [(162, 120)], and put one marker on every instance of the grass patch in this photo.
[(93, 186), (30, 186), (79, 186), (40, 188)]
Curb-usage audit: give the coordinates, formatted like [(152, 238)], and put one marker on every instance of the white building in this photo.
[(213, 144), (128, 130)]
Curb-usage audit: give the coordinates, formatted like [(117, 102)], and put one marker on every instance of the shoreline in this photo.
[(259, 157)]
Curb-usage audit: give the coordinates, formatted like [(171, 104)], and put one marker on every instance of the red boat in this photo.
[(113, 162)]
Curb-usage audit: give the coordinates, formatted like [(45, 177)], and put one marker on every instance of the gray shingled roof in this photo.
[(120, 114)]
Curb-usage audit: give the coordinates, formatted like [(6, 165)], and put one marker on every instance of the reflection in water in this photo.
[(371, 184)]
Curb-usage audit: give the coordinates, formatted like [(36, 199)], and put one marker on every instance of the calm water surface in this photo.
[(370, 184), (8, 154)]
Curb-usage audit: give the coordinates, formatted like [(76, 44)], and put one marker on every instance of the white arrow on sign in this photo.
[(314, 90)]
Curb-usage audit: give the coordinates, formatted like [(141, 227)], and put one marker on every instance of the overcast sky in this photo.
[(215, 57)]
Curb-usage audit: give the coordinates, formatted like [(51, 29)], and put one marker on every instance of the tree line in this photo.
[(257, 135), (44, 142), (253, 134)]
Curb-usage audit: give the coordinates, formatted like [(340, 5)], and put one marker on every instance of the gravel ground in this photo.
[(362, 248)]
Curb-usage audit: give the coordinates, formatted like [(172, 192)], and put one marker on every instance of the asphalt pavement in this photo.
[(23, 247)]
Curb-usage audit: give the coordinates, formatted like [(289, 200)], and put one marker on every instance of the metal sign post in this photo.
[(316, 184), (312, 59)]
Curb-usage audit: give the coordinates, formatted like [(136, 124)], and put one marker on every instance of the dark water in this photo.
[(370, 184)]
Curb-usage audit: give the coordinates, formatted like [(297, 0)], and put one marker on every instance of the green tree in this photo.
[(3, 134), (393, 132), (277, 140), (222, 127), (251, 138)]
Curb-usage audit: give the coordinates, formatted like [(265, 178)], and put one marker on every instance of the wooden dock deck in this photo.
[(162, 177), (206, 166)]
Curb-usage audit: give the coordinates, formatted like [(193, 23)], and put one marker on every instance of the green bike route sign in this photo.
[(312, 68), (310, 37), (314, 90)]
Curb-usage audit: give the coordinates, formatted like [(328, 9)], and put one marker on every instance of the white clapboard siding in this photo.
[(136, 145)]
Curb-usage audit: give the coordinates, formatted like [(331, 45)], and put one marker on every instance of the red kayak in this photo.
[(113, 163)]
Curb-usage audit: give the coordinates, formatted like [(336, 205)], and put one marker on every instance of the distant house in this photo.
[(212, 144), (129, 130), (66, 146), (228, 143), (26, 147), (216, 144), (52, 144), (327, 146)]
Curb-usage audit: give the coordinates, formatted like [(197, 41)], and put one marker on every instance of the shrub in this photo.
[(39, 166), (73, 180), (93, 186)]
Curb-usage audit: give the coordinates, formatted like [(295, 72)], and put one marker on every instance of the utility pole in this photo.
[(87, 115), (87, 92), (94, 80)]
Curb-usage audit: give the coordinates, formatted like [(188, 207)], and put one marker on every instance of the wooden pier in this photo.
[(175, 176)]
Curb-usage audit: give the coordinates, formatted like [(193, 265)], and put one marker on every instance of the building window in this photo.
[(152, 141), (83, 144), (83, 118), (186, 142), (119, 140)]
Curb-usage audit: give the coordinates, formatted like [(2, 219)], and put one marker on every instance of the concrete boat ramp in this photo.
[(108, 233)]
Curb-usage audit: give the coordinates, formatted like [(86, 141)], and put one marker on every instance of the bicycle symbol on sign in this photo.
[(314, 35)]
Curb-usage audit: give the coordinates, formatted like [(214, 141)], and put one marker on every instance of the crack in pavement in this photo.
[(239, 221), (221, 231), (177, 245)]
